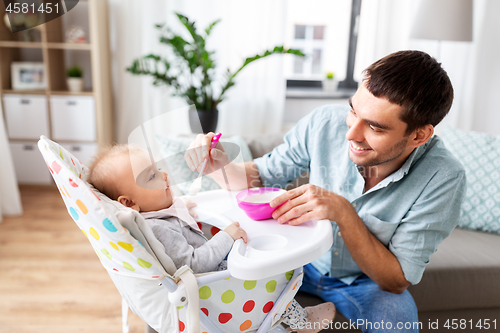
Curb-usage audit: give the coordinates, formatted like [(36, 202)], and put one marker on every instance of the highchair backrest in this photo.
[(124, 244), (118, 251)]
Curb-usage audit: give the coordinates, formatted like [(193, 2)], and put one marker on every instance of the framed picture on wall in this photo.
[(28, 76)]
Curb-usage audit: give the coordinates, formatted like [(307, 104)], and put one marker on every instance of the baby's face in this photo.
[(143, 183)]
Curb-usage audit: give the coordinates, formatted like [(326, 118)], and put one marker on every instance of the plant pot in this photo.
[(75, 84), (330, 85), (207, 120)]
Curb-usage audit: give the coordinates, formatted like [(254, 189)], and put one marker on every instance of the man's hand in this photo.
[(199, 149), (309, 202), (239, 175), (236, 232)]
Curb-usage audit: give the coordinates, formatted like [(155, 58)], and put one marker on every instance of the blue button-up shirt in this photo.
[(411, 211)]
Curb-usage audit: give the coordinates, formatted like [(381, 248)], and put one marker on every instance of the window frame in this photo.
[(348, 83)]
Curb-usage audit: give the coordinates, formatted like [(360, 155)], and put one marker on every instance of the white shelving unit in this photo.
[(81, 122)]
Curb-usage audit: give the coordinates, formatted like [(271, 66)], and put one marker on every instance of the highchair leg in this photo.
[(125, 326)]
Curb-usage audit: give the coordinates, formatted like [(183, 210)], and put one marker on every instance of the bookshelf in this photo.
[(80, 121)]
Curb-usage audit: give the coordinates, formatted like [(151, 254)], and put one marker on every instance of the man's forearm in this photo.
[(239, 175), (374, 259)]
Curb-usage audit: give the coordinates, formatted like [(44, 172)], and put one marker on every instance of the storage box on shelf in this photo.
[(73, 118), (80, 122), (28, 163), (27, 116)]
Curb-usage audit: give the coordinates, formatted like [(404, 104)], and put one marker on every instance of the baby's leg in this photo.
[(309, 320)]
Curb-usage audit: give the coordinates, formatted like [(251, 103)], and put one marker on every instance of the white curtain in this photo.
[(478, 108), (473, 67), (132, 34), (384, 28), (10, 199), (254, 105), (474, 70)]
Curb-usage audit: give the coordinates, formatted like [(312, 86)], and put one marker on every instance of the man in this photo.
[(391, 189)]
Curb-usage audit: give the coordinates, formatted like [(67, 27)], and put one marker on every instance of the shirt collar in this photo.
[(414, 157), (177, 209)]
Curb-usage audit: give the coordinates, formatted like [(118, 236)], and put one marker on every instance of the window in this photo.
[(309, 39), (322, 30)]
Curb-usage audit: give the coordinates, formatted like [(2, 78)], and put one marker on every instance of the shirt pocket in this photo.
[(382, 230)]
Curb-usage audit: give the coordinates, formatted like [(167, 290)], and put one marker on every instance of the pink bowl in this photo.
[(257, 211)]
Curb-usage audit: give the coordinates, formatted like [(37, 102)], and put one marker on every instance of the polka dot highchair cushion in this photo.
[(236, 305), (116, 248)]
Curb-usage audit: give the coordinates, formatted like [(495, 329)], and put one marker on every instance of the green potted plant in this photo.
[(191, 71), (74, 78), (329, 83)]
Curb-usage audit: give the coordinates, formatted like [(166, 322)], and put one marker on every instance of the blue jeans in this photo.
[(363, 303)]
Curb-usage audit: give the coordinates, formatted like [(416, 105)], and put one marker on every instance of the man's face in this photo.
[(376, 134), (143, 183)]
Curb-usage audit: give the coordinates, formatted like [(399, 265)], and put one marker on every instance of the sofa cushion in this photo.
[(480, 155), (263, 144), (463, 273)]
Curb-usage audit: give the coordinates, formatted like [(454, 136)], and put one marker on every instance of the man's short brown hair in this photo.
[(415, 81)]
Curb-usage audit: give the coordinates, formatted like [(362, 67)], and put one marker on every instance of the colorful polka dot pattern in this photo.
[(240, 306), (115, 247)]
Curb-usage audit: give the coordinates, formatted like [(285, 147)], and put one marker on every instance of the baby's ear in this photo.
[(127, 202)]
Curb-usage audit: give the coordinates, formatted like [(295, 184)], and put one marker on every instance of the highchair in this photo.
[(262, 277)]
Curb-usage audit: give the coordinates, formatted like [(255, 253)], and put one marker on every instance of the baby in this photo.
[(125, 173)]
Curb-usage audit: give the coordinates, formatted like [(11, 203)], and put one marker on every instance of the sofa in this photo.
[(460, 287)]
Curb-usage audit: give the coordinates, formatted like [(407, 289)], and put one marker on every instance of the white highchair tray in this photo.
[(272, 248)]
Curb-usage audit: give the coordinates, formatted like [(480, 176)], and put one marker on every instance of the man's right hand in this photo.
[(239, 175), (198, 151)]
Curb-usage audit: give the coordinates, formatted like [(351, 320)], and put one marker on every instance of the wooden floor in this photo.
[(50, 278)]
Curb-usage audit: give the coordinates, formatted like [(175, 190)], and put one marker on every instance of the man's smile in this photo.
[(357, 149)]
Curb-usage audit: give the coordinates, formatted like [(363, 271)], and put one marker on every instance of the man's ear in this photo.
[(127, 202), (421, 135)]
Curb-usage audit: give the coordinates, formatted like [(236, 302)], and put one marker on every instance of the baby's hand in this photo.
[(234, 230)]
